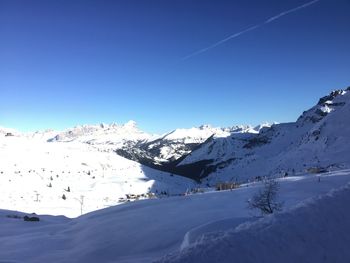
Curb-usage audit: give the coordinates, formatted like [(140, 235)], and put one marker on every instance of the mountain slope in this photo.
[(54, 178), (314, 231), (166, 152), (318, 139), (147, 230)]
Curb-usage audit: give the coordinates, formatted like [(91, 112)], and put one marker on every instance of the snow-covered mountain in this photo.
[(318, 140), (106, 162), (107, 136), (166, 152)]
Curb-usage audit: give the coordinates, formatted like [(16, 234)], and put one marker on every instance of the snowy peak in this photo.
[(103, 134), (202, 133), (194, 135), (330, 98), (263, 126), (332, 102), (131, 125), (8, 132)]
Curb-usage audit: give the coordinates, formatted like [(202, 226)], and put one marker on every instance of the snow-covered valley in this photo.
[(65, 178)]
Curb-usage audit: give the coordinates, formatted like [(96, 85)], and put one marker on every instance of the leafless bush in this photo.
[(266, 199)]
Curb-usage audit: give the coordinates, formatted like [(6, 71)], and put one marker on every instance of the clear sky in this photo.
[(70, 62)]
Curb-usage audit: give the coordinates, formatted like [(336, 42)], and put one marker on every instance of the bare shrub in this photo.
[(266, 199)]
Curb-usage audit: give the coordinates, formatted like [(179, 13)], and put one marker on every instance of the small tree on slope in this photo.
[(266, 199)]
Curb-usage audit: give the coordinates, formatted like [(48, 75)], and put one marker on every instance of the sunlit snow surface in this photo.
[(35, 174), (147, 230)]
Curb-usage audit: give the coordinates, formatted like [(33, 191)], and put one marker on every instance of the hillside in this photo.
[(314, 231), (318, 140), (55, 177), (145, 231)]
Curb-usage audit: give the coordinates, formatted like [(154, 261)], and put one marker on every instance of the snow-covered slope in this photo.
[(51, 177), (319, 139), (147, 230), (200, 135), (173, 145), (316, 230)]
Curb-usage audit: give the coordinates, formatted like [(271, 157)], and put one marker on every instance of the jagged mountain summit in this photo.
[(113, 134)]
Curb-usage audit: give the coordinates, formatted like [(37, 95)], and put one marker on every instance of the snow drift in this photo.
[(315, 231)]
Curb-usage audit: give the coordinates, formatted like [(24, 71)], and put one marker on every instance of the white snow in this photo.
[(326, 109), (35, 174), (104, 136), (314, 231), (146, 230), (195, 135)]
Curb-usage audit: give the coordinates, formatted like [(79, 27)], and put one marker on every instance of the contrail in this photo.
[(267, 21), (290, 11), (221, 41)]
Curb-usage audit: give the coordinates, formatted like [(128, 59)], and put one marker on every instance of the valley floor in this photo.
[(147, 230)]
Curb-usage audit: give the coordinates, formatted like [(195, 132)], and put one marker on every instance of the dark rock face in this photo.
[(331, 96), (256, 142), (14, 216), (31, 219)]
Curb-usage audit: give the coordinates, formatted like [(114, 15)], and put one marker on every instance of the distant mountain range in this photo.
[(319, 139)]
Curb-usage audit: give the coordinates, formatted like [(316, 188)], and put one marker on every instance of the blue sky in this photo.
[(70, 62)]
